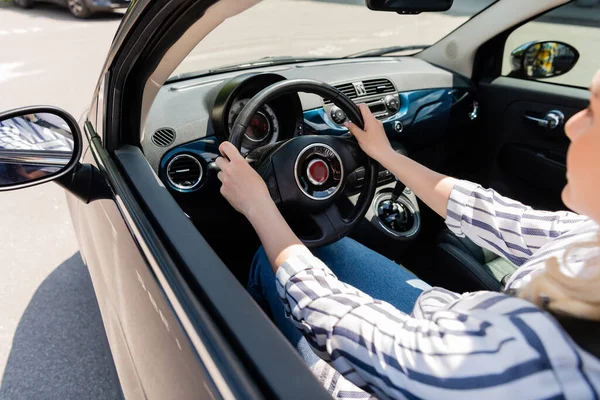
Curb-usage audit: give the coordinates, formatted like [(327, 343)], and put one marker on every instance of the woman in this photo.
[(368, 318)]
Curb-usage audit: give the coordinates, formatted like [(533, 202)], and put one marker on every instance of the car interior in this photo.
[(482, 129), (468, 104), (475, 89), (188, 170)]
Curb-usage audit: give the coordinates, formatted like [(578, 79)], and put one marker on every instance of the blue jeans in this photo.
[(353, 264)]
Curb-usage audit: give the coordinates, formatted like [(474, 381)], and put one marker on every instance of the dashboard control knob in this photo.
[(337, 115), (392, 103), (398, 126)]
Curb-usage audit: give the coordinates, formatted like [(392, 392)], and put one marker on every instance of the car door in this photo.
[(178, 322), (154, 354), (158, 352), (520, 157)]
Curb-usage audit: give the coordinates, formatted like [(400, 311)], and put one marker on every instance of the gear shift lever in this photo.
[(398, 190), (393, 214)]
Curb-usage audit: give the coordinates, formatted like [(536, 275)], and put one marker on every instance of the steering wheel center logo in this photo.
[(319, 171)]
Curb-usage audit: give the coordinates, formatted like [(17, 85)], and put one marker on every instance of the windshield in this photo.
[(294, 30)]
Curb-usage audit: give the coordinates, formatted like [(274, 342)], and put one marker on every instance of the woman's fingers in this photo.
[(352, 127), (354, 130), (365, 111), (367, 115), (227, 149), (229, 153), (221, 163), (367, 118)]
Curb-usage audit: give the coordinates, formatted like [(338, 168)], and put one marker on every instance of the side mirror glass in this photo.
[(409, 6), (540, 60), (37, 144)]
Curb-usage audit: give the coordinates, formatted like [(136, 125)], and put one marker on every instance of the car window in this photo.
[(577, 24), (297, 30)]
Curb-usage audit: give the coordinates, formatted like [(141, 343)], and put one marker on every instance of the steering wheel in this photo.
[(309, 173)]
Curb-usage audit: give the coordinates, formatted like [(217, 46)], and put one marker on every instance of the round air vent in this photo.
[(163, 137), (184, 172)]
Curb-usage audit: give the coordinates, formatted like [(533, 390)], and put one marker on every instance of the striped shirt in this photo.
[(481, 345)]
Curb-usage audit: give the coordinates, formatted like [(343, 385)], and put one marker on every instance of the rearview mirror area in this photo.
[(542, 60), (409, 6), (37, 144)]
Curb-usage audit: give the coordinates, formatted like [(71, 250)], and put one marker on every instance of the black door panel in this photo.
[(522, 159), (534, 167)]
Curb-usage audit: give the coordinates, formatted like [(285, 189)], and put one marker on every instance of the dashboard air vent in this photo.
[(163, 137), (184, 172), (372, 87), (378, 86), (347, 89)]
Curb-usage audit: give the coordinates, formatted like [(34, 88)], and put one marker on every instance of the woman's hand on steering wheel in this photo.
[(241, 185), (372, 139)]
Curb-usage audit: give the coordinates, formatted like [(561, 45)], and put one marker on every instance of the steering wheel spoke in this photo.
[(352, 155), (332, 227), (267, 172)]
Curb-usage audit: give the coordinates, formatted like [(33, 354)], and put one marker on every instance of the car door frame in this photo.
[(249, 357)]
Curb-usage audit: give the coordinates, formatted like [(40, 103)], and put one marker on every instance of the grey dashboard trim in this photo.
[(186, 106), (179, 88)]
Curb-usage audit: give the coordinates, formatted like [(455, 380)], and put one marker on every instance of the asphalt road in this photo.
[(52, 341)]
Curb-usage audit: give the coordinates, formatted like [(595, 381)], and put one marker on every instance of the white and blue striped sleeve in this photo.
[(393, 355), (504, 226)]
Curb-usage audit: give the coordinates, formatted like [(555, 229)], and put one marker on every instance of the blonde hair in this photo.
[(577, 296)]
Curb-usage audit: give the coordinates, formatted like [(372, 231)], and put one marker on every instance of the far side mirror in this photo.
[(37, 144), (540, 60)]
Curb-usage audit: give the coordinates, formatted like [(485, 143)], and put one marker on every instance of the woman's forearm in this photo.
[(278, 239), (431, 187)]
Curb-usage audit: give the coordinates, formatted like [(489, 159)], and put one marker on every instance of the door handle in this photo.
[(552, 120)]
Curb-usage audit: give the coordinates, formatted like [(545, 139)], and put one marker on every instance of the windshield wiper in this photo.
[(386, 50), (263, 62)]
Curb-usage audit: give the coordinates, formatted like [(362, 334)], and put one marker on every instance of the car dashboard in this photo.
[(416, 102), (401, 91)]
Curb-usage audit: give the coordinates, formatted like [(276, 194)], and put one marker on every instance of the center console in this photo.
[(394, 212), (379, 94), (397, 218)]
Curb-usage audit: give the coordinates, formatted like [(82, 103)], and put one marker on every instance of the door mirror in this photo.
[(540, 60), (409, 6), (37, 144)]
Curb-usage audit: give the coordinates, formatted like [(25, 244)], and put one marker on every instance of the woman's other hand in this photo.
[(241, 185), (372, 139)]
